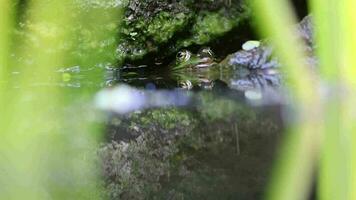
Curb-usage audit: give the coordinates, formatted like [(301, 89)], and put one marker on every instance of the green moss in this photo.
[(210, 25), (164, 28)]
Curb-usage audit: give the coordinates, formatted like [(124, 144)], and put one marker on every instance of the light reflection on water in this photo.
[(124, 99)]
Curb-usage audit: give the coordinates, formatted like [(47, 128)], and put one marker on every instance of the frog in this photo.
[(186, 60), (189, 69)]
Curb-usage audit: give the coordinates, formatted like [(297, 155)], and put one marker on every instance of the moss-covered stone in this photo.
[(209, 25), (165, 27)]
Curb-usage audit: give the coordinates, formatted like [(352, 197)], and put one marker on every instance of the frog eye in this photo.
[(206, 52), (185, 84), (183, 56)]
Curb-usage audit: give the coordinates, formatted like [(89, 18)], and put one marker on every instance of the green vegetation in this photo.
[(322, 138), (210, 25), (48, 140), (78, 38)]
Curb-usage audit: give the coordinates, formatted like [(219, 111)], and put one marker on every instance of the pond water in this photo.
[(165, 142), (162, 141)]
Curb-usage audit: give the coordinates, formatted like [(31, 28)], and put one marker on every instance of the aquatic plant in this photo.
[(48, 140), (322, 137)]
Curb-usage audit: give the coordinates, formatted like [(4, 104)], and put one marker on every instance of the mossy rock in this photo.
[(159, 27)]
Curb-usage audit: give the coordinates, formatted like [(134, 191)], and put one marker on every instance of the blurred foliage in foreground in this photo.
[(46, 142), (323, 138), (47, 138)]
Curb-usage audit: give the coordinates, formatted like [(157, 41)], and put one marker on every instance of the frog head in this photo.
[(187, 60)]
